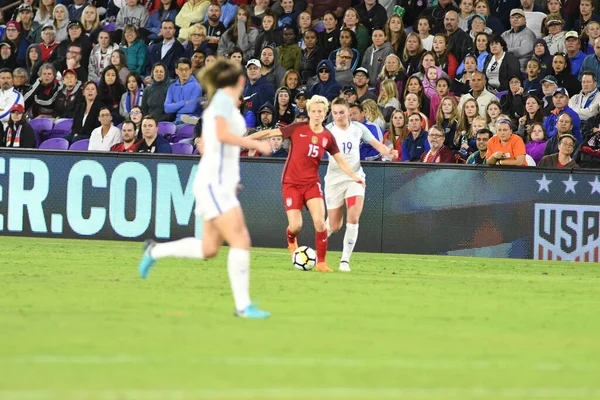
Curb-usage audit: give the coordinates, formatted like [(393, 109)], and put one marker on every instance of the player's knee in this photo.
[(352, 219), (320, 225), (335, 226), (210, 251), (295, 227)]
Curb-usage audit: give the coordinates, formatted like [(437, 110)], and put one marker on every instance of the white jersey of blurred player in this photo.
[(338, 187)]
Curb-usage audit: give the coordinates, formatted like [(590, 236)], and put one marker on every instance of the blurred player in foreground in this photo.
[(301, 185), (338, 186), (215, 187)]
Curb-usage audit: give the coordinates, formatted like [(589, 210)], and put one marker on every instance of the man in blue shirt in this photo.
[(574, 52)]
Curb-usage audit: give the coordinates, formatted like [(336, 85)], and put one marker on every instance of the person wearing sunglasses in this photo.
[(326, 85), (562, 159)]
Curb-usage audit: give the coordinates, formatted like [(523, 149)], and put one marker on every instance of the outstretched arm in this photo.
[(383, 149), (347, 169), (224, 135), (267, 133)]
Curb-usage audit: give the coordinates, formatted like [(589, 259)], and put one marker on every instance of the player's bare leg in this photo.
[(335, 220), (316, 207), (293, 229), (354, 206)]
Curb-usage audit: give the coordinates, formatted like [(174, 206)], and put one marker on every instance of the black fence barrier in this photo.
[(409, 208)]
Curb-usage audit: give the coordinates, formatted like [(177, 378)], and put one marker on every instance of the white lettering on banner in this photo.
[(75, 195), (19, 197), (2, 164), (172, 197), (566, 232), (143, 199)]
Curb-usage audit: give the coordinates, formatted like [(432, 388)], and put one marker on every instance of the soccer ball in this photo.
[(304, 258)]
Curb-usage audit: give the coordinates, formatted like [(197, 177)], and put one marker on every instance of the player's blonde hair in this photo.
[(316, 99)]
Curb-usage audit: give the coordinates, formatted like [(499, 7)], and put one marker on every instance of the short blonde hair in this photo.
[(197, 28), (316, 99)]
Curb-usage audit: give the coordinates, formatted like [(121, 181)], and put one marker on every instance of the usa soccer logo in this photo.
[(288, 201)]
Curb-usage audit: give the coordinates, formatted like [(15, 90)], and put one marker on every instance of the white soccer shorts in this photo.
[(336, 194)]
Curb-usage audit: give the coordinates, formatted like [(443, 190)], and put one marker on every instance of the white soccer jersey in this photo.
[(220, 163), (349, 144)]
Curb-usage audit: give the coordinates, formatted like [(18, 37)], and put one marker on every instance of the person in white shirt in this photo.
[(533, 19), (8, 95), (106, 135), (587, 102), (339, 187)]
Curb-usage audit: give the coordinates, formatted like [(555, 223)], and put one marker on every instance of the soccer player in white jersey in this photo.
[(338, 186), (215, 187)]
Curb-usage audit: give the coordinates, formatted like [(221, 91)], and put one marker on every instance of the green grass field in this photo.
[(76, 322)]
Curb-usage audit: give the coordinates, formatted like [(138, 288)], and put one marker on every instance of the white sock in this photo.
[(349, 241), (329, 232), (238, 268), (183, 248)]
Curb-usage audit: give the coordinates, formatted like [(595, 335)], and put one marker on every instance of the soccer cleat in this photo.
[(345, 266), (323, 267), (293, 246), (252, 312), (147, 261)]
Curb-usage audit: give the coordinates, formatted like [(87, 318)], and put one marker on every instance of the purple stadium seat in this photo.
[(110, 27), (166, 128), (195, 151), (53, 133), (80, 145), (120, 126), (55, 144), (39, 126), (500, 94), (64, 125), (184, 132), (182, 148)]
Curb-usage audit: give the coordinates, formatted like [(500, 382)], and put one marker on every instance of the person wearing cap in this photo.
[(301, 98), (326, 85), (349, 93), (257, 90), (519, 39), (562, 159), (8, 58), (549, 86), (49, 43), (560, 98), (586, 103), (564, 126), (556, 36), (576, 56), (76, 36), (266, 117), (69, 95), (14, 36), (534, 16), (361, 81), (8, 95), (40, 98), (30, 29), (18, 132)]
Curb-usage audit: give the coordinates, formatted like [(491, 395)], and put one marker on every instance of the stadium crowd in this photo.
[(505, 82)]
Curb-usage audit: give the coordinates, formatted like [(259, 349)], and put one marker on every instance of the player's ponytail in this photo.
[(219, 74)]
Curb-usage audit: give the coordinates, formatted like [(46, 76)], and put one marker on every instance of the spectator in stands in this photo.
[(301, 99), (388, 98), (500, 64), (311, 56), (303, 24), (214, 27), (43, 15), (153, 102), (482, 7), (532, 85), (416, 142), (556, 37), (329, 38), (437, 15), (76, 9), (461, 85), (69, 96), (167, 11), (437, 153), (562, 71), (118, 59), (21, 80), (318, 8), (129, 143), (183, 96), (266, 117), (373, 114), (289, 52), (576, 56), (357, 114), (291, 80), (31, 30), (132, 96), (592, 62), (478, 92), (586, 104), (424, 29), (352, 22), (534, 16), (277, 147), (136, 115), (347, 41), (397, 132), (392, 69), (8, 57), (40, 98), (562, 159), (104, 137), (241, 35), (269, 34), (372, 14), (18, 132), (49, 43), (33, 61), (564, 126), (74, 60), (152, 142), (533, 114), (284, 111), (132, 13), (168, 51), (14, 36), (375, 55), (464, 140), (506, 148), (482, 136), (561, 104), (8, 96), (549, 86), (111, 90), (258, 10), (77, 38), (91, 23), (542, 54), (586, 15), (60, 21), (135, 50), (100, 57), (458, 42), (326, 85), (411, 56), (258, 90), (513, 102), (197, 40), (193, 11), (343, 72), (447, 117), (445, 60), (536, 142), (86, 113), (519, 39), (588, 155), (414, 85), (270, 69)]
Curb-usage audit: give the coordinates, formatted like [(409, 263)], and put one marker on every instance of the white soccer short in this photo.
[(214, 200), (336, 193)]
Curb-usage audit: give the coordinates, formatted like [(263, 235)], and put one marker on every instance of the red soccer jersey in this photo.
[(306, 150)]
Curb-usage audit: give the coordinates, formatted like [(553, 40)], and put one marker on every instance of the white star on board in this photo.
[(544, 184), (595, 186), (570, 185)]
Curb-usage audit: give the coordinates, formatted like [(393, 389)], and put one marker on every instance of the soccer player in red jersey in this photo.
[(301, 185)]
